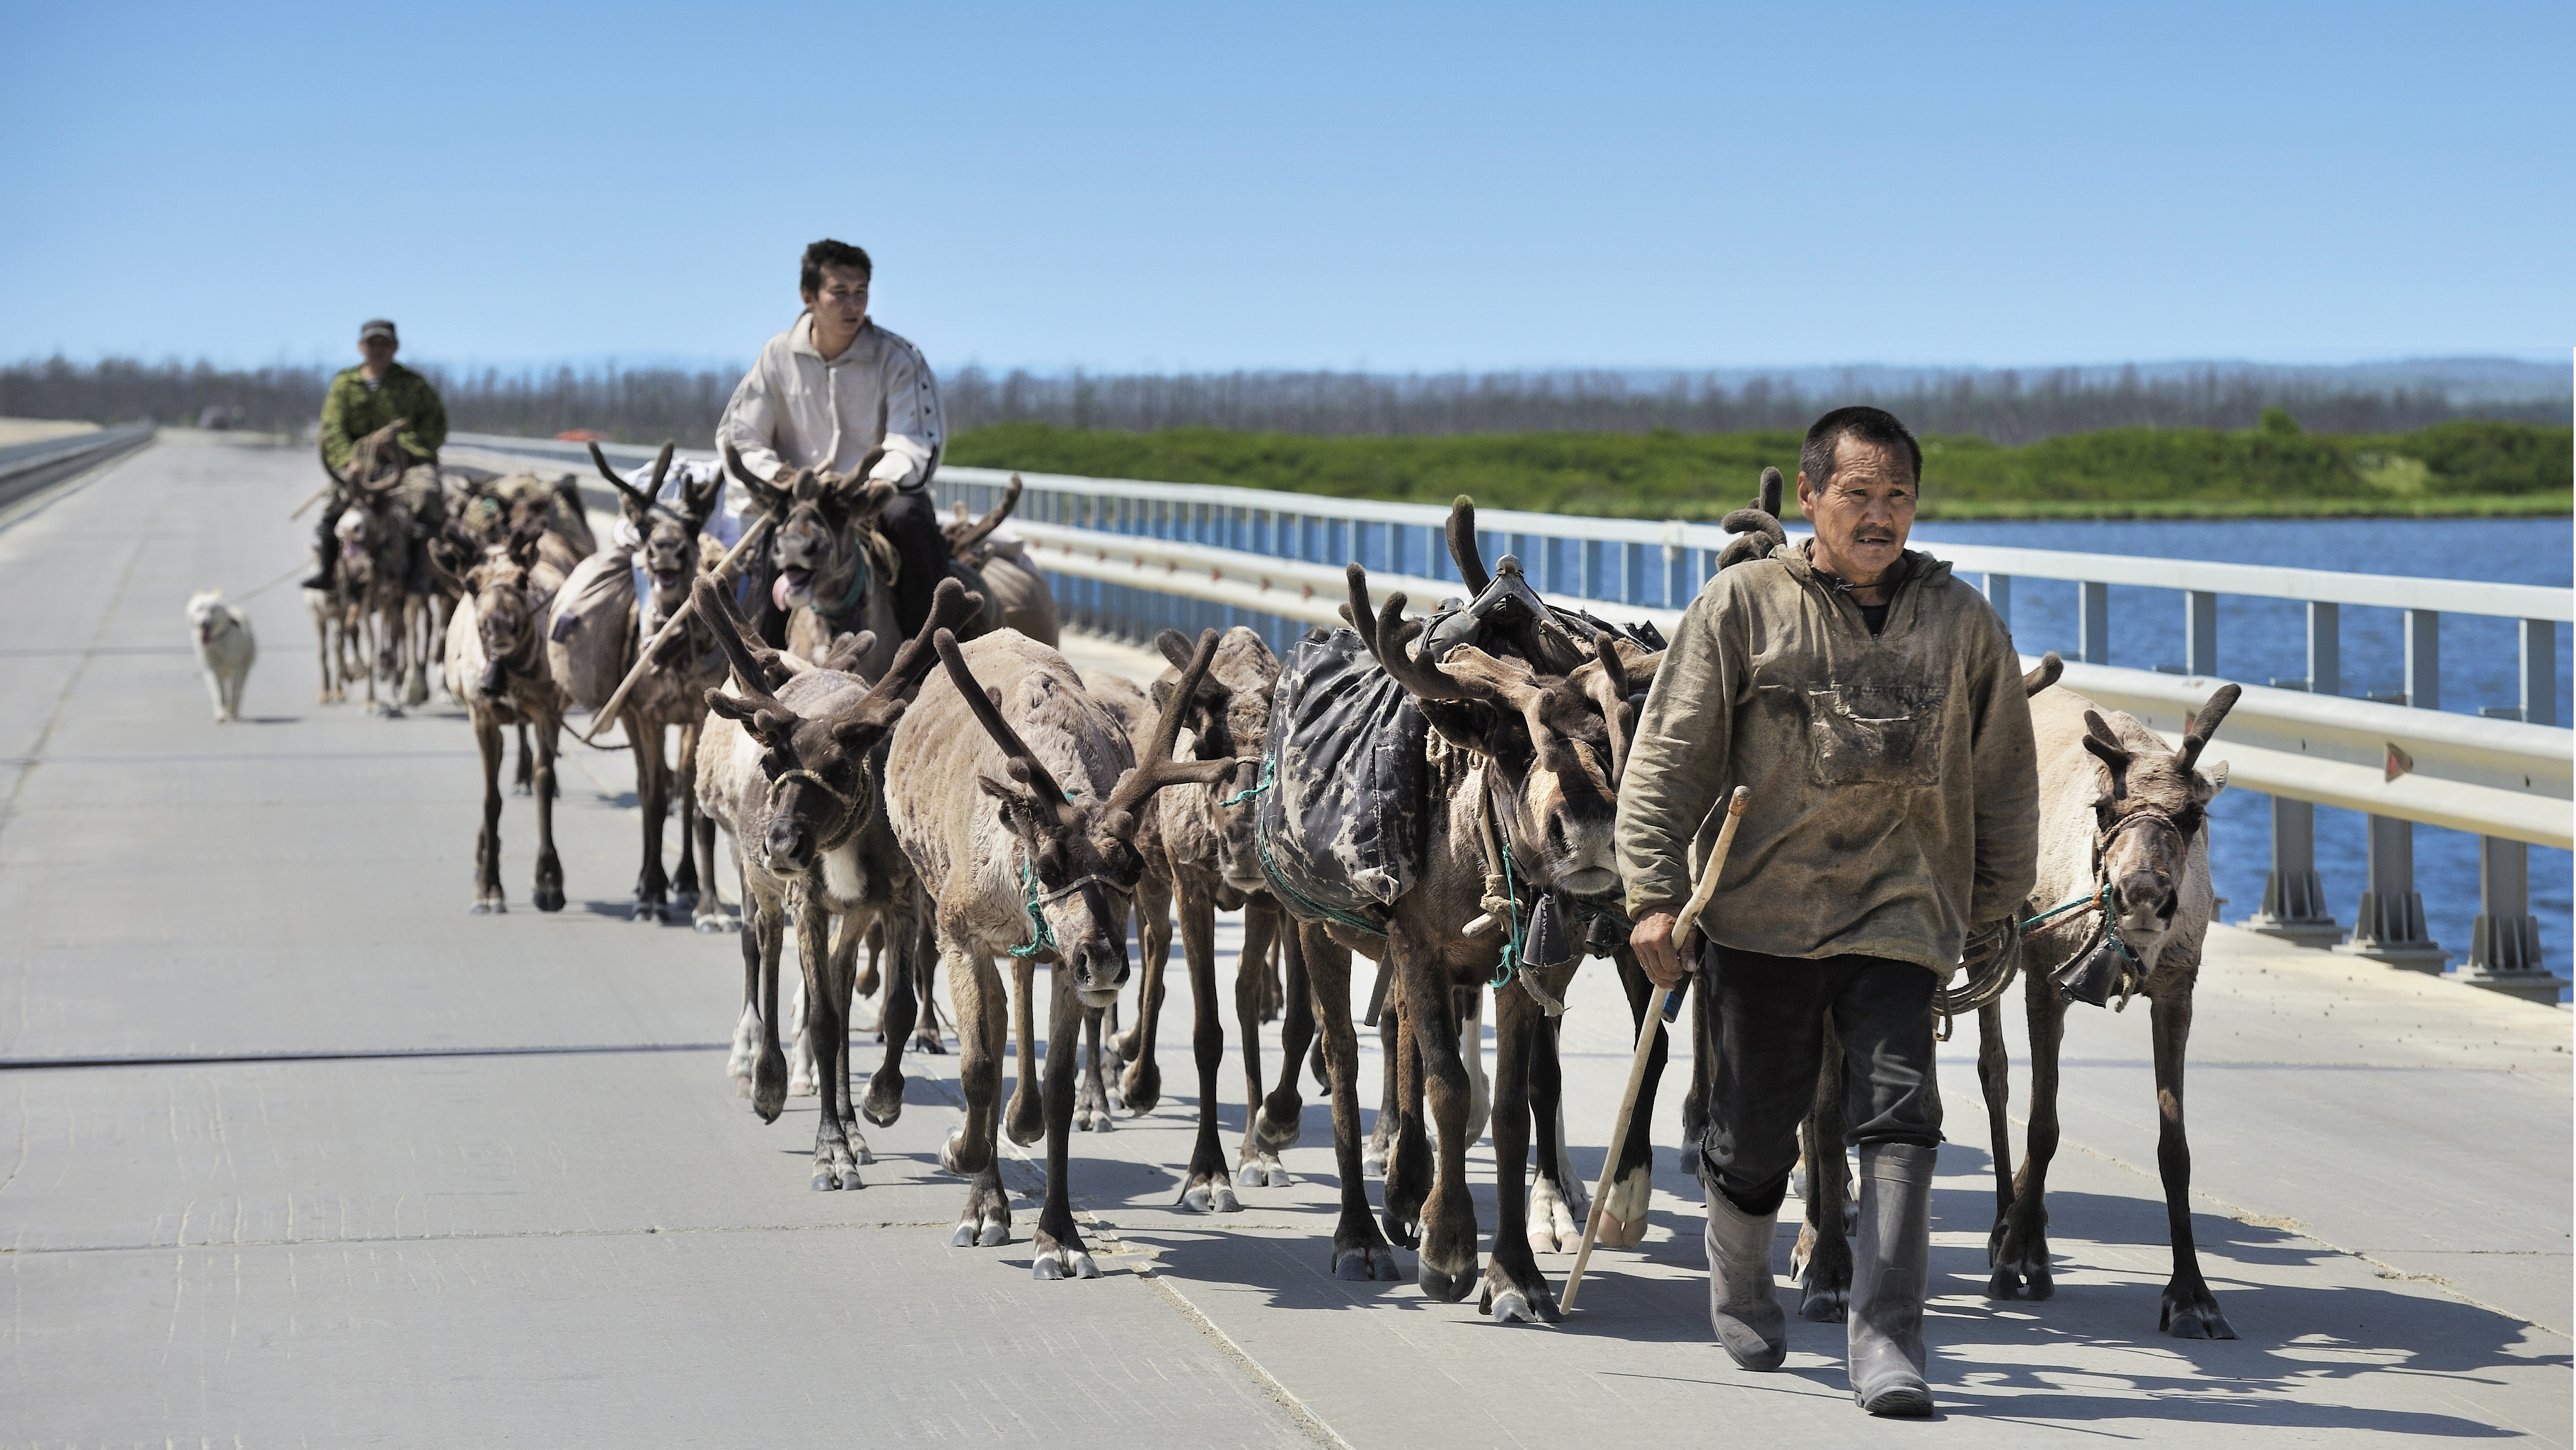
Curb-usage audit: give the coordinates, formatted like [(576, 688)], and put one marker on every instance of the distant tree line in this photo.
[(645, 405)]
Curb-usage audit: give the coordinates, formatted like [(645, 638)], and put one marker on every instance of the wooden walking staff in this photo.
[(725, 573), (1654, 1024)]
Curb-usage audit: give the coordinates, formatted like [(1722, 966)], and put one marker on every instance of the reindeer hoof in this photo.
[(884, 1102), (2185, 1318), (718, 922), (550, 898), (1361, 1266), (1062, 1263), (1820, 1305)]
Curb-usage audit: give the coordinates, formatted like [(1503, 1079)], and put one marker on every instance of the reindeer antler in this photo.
[(2043, 674), (1022, 762), (976, 532), (1389, 637), (1156, 768), (1462, 546), (771, 498), (642, 501), (1605, 681), (950, 606), (756, 665), (2213, 711)]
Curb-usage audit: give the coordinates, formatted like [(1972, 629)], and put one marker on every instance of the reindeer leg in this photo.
[(871, 979), (1142, 1083), (746, 1032), (1468, 1007), (684, 885), (1390, 1105), (1822, 1262), (1515, 1292), (925, 1035), (2020, 1259), (1061, 1254), (549, 895), (526, 780), (1360, 1252), (2189, 1310), (1207, 1187), (653, 795), (1446, 1266), (766, 940), (1408, 1162), (915, 948), (1091, 1095), (829, 1033), (971, 1147), (487, 846), (844, 962), (1278, 1119), (1553, 1225), (1994, 1080), (1027, 1118)]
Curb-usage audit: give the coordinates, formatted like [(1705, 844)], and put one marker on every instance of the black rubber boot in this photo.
[(1741, 1305), (1890, 1276)]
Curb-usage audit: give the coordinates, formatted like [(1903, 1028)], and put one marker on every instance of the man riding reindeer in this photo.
[(1874, 705), (363, 399), (828, 392)]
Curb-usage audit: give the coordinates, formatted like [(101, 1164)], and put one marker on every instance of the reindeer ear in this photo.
[(2208, 781), (1176, 647), (1010, 793), (862, 733)]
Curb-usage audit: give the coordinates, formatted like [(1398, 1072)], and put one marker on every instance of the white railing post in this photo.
[(1999, 596), (2389, 927)]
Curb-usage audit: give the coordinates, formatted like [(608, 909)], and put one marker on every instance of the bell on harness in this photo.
[(1546, 945), (2097, 971)]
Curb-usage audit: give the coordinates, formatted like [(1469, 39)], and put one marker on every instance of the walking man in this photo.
[(832, 389), (363, 399), (1874, 705)]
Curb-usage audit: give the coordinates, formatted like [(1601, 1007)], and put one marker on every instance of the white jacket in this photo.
[(796, 410)]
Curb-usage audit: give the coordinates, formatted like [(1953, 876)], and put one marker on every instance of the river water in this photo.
[(2261, 640)]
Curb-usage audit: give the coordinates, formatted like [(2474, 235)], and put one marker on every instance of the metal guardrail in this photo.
[(27, 467)]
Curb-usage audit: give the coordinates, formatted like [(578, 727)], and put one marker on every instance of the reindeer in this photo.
[(1525, 772), (789, 771), (1023, 833), (1017, 593), (829, 557), (496, 665), (370, 590), (1206, 841), (2140, 857), (672, 693)]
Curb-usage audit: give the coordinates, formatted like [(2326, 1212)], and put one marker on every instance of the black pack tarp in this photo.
[(1344, 822)]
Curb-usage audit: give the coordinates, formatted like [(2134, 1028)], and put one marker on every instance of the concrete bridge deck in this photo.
[(362, 1169)]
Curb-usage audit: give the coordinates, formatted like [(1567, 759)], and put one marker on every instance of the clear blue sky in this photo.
[(1208, 186)]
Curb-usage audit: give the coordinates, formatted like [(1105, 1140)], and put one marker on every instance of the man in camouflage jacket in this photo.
[(363, 399)]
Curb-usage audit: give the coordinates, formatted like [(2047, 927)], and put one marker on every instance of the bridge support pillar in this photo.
[(2389, 927), (2294, 899), (2504, 941)]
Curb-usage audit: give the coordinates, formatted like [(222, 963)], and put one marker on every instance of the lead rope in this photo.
[(2004, 949)]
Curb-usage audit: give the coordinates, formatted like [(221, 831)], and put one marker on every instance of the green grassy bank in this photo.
[(2470, 468)]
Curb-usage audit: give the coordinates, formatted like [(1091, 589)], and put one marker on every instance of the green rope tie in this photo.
[(1248, 792), (1511, 961), (2098, 894), (1041, 939)]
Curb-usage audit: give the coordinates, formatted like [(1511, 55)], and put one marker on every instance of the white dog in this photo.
[(225, 649)]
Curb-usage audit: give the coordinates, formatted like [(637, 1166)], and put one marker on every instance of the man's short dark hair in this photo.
[(1870, 425), (829, 253)]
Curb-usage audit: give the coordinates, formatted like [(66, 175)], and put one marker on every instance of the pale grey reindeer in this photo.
[(496, 665), (1016, 796)]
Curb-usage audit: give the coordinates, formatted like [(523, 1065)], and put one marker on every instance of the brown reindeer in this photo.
[(496, 665), (673, 553), (1528, 749), (1205, 835), (1023, 832), (830, 560), (370, 597), (788, 770)]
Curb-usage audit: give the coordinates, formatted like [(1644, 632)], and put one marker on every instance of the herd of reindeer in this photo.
[(966, 797)]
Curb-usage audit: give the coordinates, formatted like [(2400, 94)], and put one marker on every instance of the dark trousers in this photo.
[(1768, 1016), (911, 524)]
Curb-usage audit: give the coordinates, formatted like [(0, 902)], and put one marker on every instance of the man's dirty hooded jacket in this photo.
[(1895, 785)]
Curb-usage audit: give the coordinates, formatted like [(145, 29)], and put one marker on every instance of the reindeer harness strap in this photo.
[(843, 828)]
